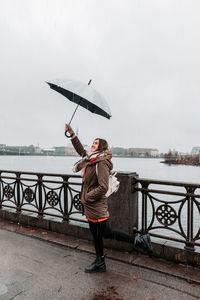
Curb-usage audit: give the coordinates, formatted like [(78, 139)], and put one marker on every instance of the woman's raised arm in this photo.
[(75, 141)]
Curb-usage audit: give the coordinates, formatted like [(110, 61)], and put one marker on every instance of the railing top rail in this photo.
[(41, 180), (41, 173), (166, 182)]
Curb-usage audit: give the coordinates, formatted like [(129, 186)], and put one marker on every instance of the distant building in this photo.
[(18, 150), (38, 150), (70, 151), (60, 150), (195, 150), (118, 151), (63, 150), (2, 146), (154, 152), (48, 151), (142, 152)]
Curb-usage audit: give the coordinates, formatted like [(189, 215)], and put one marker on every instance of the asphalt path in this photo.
[(34, 269)]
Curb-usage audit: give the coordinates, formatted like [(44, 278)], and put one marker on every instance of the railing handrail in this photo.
[(166, 182), (40, 173)]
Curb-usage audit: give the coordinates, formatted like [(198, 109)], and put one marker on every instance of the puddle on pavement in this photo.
[(3, 289)]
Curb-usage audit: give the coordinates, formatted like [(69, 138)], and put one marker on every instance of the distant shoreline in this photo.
[(61, 155), (180, 163)]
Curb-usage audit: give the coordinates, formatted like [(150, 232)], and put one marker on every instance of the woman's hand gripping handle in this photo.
[(69, 133)]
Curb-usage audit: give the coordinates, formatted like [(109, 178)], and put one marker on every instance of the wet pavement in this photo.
[(42, 265)]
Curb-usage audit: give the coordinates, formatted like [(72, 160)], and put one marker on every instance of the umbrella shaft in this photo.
[(75, 111), (77, 105)]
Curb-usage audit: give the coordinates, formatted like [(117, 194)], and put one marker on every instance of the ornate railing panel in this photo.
[(56, 195), (170, 210)]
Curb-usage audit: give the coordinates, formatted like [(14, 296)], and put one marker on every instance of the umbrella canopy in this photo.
[(83, 95)]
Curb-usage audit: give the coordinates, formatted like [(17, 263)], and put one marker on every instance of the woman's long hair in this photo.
[(103, 145)]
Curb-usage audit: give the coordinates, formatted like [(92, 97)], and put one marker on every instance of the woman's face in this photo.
[(95, 145)]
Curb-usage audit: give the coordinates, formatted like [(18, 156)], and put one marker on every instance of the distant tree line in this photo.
[(173, 157)]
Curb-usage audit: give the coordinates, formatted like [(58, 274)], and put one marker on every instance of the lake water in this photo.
[(144, 167)]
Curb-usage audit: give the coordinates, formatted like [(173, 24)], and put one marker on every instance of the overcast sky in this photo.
[(142, 56)]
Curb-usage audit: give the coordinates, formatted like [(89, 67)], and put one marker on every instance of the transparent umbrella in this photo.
[(83, 95)]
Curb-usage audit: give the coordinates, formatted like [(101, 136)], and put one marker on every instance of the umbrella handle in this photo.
[(68, 135)]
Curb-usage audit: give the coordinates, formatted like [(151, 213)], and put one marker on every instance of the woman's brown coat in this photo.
[(94, 186)]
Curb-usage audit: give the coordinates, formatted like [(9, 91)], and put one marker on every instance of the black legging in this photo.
[(102, 230)]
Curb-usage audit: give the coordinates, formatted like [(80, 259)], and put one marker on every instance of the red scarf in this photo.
[(93, 159)]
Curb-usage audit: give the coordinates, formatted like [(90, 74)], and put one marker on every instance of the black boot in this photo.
[(97, 266), (144, 242)]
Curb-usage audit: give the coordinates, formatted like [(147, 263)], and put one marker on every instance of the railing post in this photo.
[(40, 210), (123, 206), (188, 244), (65, 188), (18, 174), (0, 193), (144, 208)]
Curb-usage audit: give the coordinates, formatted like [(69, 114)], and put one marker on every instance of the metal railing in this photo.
[(170, 210), (56, 195)]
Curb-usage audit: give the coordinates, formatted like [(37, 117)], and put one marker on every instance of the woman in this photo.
[(96, 166)]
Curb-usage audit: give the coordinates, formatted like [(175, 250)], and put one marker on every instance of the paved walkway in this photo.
[(43, 265)]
